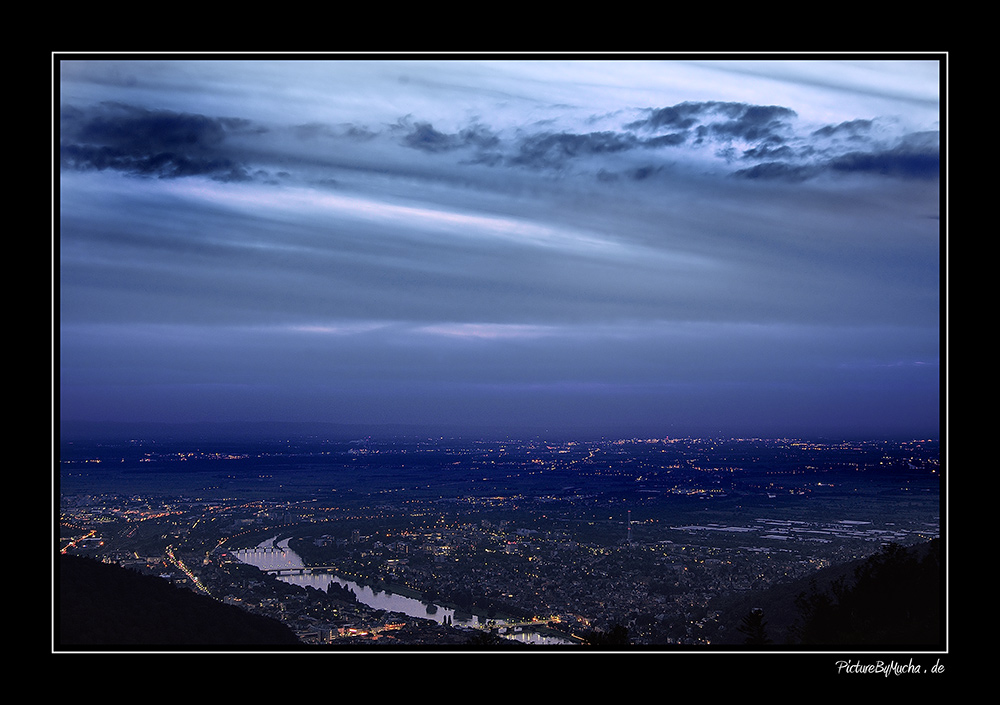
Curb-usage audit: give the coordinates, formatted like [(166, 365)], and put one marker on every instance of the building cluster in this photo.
[(609, 550)]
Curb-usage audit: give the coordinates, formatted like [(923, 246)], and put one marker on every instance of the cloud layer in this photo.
[(505, 244)]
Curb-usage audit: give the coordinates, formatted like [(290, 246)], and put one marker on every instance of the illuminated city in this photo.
[(537, 540)]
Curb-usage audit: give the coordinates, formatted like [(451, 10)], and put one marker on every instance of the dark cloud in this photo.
[(682, 116), (165, 164), (753, 123), (776, 170), (553, 149), (767, 151), (720, 120), (916, 156), (767, 127), (423, 136), (672, 140), (150, 142), (172, 144), (723, 124), (850, 128)]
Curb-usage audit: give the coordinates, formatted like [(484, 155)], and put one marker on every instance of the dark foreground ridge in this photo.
[(103, 604), (893, 598)]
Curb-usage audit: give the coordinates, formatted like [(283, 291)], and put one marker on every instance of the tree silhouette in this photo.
[(488, 639), (754, 627), (893, 599), (616, 636)]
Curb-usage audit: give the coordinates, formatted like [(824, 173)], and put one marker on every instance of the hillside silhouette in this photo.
[(892, 598), (105, 605)]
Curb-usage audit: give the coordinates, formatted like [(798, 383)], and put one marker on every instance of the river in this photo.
[(270, 556)]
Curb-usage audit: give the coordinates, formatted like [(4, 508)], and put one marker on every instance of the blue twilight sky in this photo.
[(648, 245)]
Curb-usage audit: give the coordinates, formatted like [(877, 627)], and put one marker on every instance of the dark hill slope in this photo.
[(893, 598), (107, 605)]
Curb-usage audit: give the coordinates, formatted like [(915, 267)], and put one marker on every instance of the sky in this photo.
[(632, 246)]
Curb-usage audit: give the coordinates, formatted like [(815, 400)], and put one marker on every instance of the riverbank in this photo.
[(276, 554)]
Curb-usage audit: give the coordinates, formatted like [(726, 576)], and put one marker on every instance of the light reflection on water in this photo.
[(268, 556)]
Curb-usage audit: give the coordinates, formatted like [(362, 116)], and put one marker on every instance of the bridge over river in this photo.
[(285, 564), (299, 570)]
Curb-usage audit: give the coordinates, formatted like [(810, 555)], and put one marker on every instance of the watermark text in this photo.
[(887, 668)]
